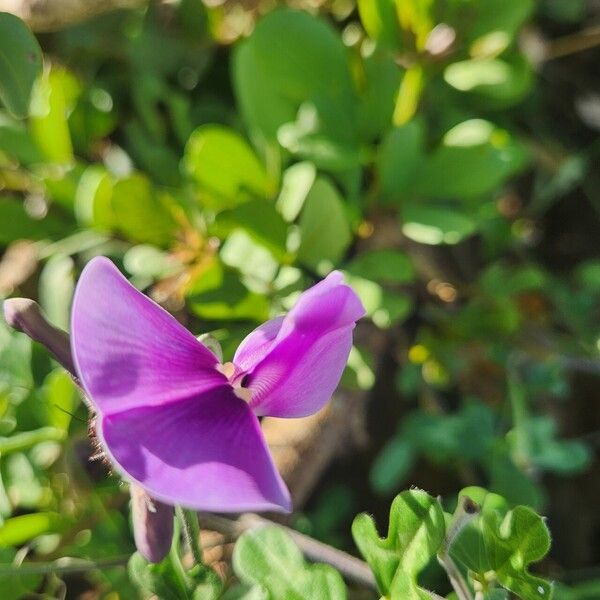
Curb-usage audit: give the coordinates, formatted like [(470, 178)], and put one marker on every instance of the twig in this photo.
[(352, 568), (571, 44)]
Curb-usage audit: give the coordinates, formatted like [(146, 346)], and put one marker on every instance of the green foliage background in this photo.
[(226, 156)]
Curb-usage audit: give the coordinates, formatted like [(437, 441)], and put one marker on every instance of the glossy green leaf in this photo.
[(416, 531), (267, 556), (20, 64)]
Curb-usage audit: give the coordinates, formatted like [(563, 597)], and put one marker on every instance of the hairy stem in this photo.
[(191, 531)]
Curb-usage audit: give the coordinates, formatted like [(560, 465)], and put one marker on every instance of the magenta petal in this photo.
[(256, 344), (301, 363), (128, 351), (206, 454)]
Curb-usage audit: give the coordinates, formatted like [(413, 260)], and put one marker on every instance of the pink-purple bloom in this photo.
[(180, 424)]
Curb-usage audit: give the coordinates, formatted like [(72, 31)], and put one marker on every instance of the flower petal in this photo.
[(300, 364), (128, 351), (256, 344), (205, 454)]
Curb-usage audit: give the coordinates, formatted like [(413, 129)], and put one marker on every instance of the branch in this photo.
[(50, 15), (352, 568)]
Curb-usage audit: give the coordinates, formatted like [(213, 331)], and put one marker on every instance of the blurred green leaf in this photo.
[(324, 228), (474, 159), (224, 166), (496, 82), (57, 284), (431, 224), (14, 586), (141, 212), (254, 261), (392, 465), (17, 224), (400, 156), (18, 530), (416, 531), (314, 53), (380, 20), (295, 187), (383, 266), (93, 198), (267, 556), (260, 221), (20, 64), (52, 101)]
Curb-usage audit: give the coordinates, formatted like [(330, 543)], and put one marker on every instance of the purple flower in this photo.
[(183, 426)]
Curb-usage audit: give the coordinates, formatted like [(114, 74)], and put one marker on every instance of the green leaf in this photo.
[(20, 64), (16, 224), (384, 307), (60, 399), (16, 141), (400, 156), (56, 287), (165, 579), (383, 266), (14, 586), (219, 294), (507, 543), (380, 21), (324, 228), (416, 531), (93, 198), (267, 556), (315, 54), (244, 592), (296, 184), (496, 82), (52, 101), (225, 167), (431, 224), (260, 221), (392, 465), (254, 261), (141, 212), (19, 442), (550, 454), (18, 530), (474, 159)]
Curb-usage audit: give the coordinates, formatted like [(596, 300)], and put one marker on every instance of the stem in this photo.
[(63, 565), (191, 531), (466, 511)]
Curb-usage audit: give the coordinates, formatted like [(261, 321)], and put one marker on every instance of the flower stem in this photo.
[(191, 531)]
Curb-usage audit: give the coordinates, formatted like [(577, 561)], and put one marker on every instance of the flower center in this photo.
[(243, 393)]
